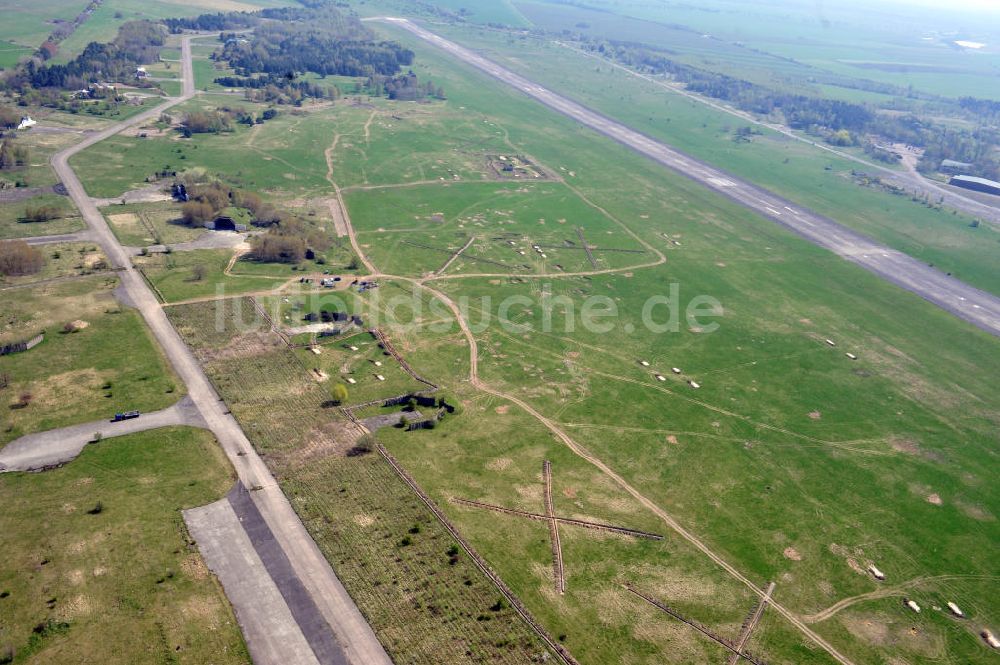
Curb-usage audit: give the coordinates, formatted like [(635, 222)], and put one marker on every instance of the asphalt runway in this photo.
[(964, 301)]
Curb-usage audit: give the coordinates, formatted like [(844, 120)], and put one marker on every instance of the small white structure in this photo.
[(26, 122), (351, 380), (693, 384), (660, 377), (543, 256), (353, 348), (380, 377), (141, 73), (876, 573), (851, 356), (913, 606), (831, 342), (644, 363), (378, 363), (315, 349), (990, 638), (955, 610), (675, 370)]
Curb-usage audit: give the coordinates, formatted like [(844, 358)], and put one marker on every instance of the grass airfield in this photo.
[(791, 462)]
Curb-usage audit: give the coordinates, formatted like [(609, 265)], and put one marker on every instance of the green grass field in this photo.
[(126, 584), (110, 365)]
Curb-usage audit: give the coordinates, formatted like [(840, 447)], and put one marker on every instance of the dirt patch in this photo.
[(935, 499), (672, 439), (192, 566), (792, 553), (867, 629), (975, 512), (205, 609), (503, 409), (79, 324), (903, 445), (569, 492), (364, 520), (499, 464), (74, 607), (815, 415)]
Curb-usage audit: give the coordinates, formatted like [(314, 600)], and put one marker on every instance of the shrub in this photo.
[(42, 213)]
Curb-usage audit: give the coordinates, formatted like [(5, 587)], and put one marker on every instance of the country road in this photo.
[(355, 637), (964, 301)]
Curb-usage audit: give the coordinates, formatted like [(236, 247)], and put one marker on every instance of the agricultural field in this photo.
[(108, 362), (71, 583)]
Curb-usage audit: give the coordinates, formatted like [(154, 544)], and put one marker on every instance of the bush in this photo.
[(197, 213), (19, 258), (279, 249), (43, 213)]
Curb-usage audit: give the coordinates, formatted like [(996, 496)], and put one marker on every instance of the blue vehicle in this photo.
[(127, 415)]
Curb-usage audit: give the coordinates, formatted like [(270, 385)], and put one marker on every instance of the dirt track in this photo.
[(966, 302)]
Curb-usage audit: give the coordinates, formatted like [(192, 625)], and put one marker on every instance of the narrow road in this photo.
[(966, 302), (312, 569), (42, 450)]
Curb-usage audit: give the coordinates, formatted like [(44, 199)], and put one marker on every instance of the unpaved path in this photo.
[(33, 452), (888, 592)]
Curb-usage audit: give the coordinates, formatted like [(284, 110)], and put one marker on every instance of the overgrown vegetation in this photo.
[(18, 258)]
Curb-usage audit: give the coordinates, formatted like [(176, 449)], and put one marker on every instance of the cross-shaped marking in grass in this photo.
[(554, 521)]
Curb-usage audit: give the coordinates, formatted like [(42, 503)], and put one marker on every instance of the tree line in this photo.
[(835, 121)]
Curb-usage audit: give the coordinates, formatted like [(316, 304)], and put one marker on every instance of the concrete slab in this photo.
[(272, 635)]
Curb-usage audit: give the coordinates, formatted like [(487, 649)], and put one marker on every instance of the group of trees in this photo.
[(289, 241), (206, 122), (42, 213), (404, 87), (287, 41), (137, 43), (19, 258), (207, 199), (278, 89)]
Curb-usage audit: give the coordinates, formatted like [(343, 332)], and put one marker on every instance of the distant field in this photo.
[(817, 36), (123, 585)]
